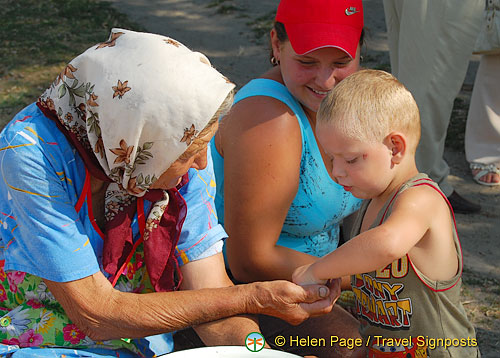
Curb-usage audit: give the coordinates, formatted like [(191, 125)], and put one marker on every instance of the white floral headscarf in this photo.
[(131, 106)]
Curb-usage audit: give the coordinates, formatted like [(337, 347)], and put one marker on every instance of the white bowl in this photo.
[(228, 352)]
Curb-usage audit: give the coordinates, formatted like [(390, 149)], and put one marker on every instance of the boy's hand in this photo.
[(303, 275)]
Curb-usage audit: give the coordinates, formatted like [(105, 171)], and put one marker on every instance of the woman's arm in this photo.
[(261, 143), (102, 313)]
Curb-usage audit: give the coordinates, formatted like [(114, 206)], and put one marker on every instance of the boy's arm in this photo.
[(373, 249)]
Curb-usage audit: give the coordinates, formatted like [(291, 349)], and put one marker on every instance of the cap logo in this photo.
[(351, 11)]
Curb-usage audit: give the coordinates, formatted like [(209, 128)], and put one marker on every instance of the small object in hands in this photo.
[(347, 299)]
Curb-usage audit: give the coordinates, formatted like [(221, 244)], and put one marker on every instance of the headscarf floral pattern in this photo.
[(132, 105)]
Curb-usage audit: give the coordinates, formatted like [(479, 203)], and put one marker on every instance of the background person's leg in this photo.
[(482, 134), (434, 43), (392, 13)]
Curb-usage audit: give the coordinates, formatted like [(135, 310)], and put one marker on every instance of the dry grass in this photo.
[(481, 299)]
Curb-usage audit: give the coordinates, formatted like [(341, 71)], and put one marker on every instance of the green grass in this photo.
[(216, 3), (262, 25), (223, 7), (455, 138), (37, 38), (480, 297)]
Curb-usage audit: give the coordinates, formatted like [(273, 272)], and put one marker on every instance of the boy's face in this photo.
[(362, 168)]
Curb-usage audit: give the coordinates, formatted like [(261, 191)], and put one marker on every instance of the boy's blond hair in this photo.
[(370, 104)]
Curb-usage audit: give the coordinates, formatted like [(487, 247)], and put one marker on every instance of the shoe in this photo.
[(482, 170), (461, 205)]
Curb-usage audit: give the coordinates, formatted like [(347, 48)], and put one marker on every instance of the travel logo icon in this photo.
[(255, 342)]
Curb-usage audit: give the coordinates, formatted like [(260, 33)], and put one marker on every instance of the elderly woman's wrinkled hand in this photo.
[(316, 308), (294, 303)]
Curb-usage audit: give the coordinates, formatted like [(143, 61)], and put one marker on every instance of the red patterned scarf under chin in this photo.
[(159, 247)]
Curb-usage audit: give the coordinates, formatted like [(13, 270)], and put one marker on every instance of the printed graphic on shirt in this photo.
[(409, 347), (378, 301)]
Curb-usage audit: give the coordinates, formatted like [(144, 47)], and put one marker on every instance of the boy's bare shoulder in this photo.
[(421, 199)]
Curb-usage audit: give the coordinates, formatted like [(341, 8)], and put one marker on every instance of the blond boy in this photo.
[(404, 257)]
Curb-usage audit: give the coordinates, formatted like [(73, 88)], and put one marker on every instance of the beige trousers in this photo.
[(482, 134), (430, 44)]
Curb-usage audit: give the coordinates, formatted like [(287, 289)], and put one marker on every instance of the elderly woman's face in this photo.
[(194, 157)]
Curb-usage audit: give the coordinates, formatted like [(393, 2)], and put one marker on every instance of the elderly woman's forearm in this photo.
[(102, 312)]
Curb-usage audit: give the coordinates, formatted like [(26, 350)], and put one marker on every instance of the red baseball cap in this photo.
[(314, 24)]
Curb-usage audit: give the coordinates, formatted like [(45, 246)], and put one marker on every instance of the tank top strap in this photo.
[(419, 180), (386, 209), (273, 89), (423, 179)]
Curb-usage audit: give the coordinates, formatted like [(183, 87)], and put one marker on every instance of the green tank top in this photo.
[(405, 314)]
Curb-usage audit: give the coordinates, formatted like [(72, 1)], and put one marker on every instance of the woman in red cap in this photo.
[(275, 197)]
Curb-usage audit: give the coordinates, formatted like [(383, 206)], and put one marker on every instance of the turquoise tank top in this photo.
[(312, 223)]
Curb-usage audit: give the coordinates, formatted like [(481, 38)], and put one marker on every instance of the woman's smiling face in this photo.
[(309, 77)]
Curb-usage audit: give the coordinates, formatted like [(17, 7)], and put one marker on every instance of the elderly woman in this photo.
[(98, 211)]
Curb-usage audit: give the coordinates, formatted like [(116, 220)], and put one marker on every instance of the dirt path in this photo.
[(233, 34)]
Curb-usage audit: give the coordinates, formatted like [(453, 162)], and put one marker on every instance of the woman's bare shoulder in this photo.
[(261, 120)]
